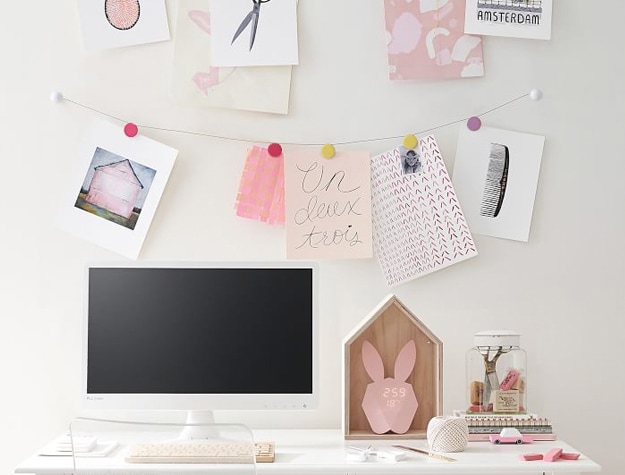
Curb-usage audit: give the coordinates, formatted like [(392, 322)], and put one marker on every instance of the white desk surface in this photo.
[(310, 452)]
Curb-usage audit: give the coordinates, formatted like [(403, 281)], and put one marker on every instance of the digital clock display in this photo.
[(393, 396)]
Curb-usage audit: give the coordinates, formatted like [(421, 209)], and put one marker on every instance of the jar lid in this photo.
[(497, 338)]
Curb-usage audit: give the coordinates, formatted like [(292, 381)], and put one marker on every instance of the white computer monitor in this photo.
[(201, 337)]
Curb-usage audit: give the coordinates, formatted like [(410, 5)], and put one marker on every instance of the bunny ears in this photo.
[(404, 363)]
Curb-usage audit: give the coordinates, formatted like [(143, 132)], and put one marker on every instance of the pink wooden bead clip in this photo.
[(131, 130)]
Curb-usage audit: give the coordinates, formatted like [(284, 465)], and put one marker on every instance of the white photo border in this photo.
[(96, 229), (536, 32)]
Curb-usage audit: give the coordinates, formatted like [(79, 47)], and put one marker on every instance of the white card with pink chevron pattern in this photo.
[(418, 223)]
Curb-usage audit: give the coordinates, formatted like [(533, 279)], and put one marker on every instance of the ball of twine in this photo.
[(448, 434)]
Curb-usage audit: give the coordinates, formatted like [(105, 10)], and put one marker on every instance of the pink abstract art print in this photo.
[(261, 189), (426, 40)]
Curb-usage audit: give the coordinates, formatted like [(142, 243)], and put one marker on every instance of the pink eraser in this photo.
[(509, 380), (530, 457), (569, 456), (552, 455)]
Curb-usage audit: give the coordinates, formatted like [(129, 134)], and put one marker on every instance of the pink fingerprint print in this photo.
[(122, 14)]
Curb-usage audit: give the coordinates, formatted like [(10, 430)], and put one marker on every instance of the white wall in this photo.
[(563, 291)]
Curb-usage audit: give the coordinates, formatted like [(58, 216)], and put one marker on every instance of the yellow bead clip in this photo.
[(410, 141), (328, 151)]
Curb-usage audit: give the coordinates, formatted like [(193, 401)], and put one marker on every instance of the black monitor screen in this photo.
[(162, 330)]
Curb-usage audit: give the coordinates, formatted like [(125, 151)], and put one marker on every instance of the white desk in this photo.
[(309, 452)]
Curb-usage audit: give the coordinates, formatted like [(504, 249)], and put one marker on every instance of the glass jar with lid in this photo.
[(496, 373)]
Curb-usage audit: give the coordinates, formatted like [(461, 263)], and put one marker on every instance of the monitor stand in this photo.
[(199, 425)]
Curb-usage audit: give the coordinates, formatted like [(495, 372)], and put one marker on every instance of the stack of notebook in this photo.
[(483, 425)]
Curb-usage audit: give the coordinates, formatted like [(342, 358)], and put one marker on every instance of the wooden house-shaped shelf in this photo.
[(389, 327)]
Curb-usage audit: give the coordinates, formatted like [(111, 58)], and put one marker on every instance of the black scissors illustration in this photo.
[(251, 17)]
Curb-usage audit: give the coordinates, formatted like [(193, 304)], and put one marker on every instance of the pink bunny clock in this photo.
[(390, 404)]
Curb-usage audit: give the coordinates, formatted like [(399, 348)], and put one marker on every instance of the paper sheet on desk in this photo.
[(102, 449)]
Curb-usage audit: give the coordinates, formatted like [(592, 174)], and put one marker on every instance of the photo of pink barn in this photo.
[(115, 187)]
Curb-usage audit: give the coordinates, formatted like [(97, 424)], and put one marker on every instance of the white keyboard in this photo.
[(201, 452)]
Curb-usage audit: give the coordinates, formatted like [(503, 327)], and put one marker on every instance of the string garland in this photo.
[(473, 123)]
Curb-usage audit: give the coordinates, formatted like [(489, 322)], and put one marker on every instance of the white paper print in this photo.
[(115, 189), (114, 23), (515, 18), (496, 176), (254, 32), (197, 81), (418, 224)]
